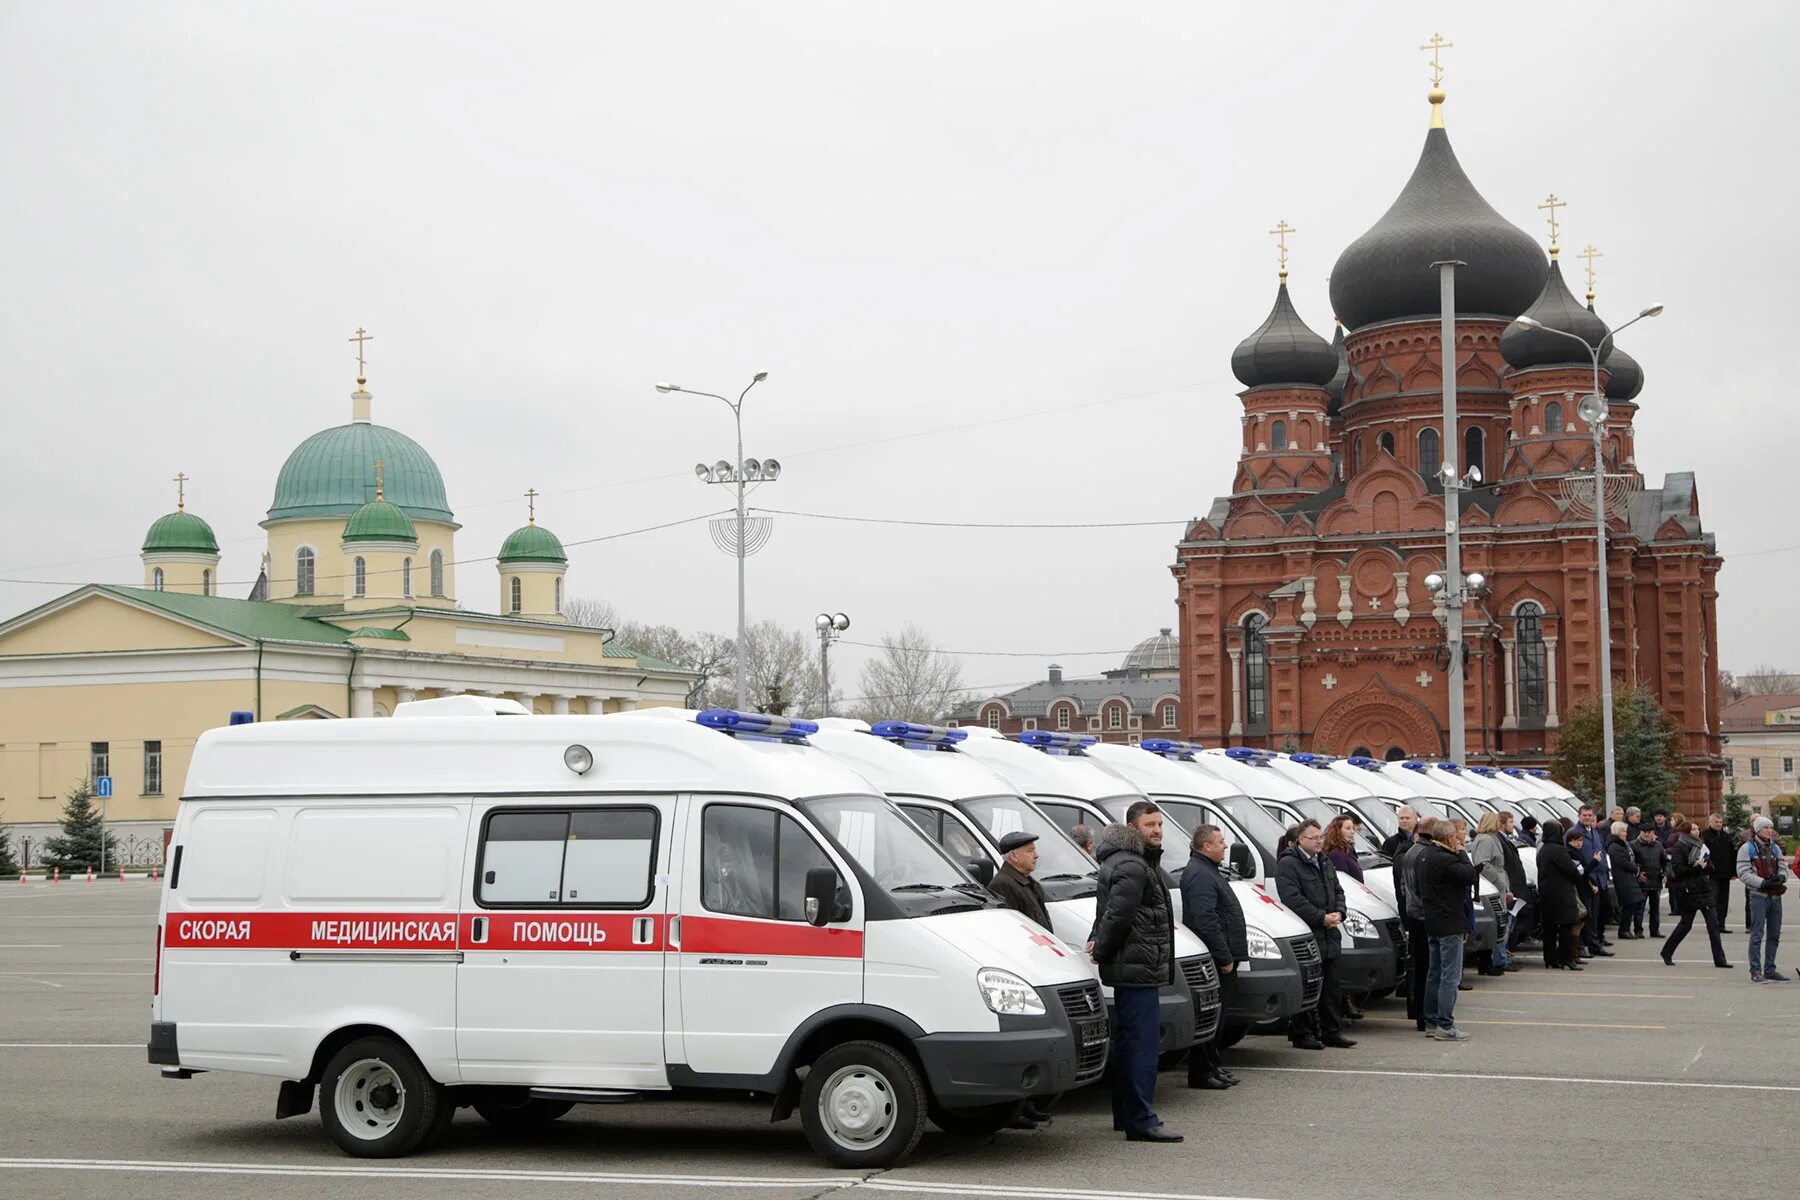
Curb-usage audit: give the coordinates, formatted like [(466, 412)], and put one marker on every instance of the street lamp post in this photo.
[(1593, 411), (744, 471), (829, 625)]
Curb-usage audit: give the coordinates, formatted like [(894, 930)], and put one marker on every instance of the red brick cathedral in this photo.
[(1305, 619)]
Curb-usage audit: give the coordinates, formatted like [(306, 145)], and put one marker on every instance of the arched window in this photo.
[(304, 562), (206, 582), (437, 572), (156, 580), (1256, 671), (518, 596), (1278, 436), (1553, 417), (993, 716), (406, 577), (362, 576), (1169, 715), (1528, 658), (559, 593), (1115, 716), (1386, 442), (1360, 752), (1395, 754), (1356, 455), (1431, 452), (1063, 716), (1474, 449)]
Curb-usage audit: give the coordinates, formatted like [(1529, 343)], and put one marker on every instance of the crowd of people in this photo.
[(1593, 880)]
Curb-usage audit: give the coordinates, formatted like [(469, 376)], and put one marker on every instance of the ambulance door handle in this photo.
[(478, 930), (675, 932), (641, 931)]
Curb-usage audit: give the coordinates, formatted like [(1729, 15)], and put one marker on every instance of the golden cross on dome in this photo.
[(1590, 254), (1280, 234), (378, 479), (361, 337), (1437, 45), (1551, 203), (531, 496), (181, 479)]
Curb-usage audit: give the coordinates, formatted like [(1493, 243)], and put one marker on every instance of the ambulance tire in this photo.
[(505, 1108), (377, 1101), (863, 1105), (988, 1118)]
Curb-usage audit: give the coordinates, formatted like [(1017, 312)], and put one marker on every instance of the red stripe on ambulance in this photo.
[(720, 935), (309, 931), (565, 931)]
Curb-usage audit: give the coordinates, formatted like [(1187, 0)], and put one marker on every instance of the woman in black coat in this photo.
[(1558, 874), (1626, 878)]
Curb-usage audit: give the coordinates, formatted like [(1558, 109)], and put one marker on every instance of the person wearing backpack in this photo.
[(1765, 878)]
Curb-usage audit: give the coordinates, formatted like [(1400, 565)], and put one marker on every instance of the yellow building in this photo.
[(355, 611)]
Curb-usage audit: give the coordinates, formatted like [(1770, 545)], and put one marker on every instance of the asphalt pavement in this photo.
[(1628, 1079)]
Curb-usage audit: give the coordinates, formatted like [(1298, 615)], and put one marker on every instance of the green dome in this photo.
[(532, 543), (332, 474), (180, 532), (380, 521)]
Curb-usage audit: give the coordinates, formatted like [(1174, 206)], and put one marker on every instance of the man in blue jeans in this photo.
[(1762, 871), (1445, 876)]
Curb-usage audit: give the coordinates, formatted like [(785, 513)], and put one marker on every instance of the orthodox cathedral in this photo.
[(1305, 619), (355, 610)]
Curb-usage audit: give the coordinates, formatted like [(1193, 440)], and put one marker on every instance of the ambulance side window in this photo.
[(753, 862), (583, 858), (1066, 816), (521, 858)]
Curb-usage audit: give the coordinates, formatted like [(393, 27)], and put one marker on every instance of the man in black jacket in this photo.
[(1519, 928), (1402, 837), (1445, 875), (1307, 883), (1211, 910), (1013, 884), (1134, 942), (1721, 859), (1412, 919), (1652, 863)]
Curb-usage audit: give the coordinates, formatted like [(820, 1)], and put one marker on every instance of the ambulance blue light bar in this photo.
[(915, 733), (1250, 754), (1052, 742), (1484, 772), (1450, 767), (1364, 761), (1317, 762), (1170, 748), (1540, 773), (1515, 772), (1413, 764), (759, 725)]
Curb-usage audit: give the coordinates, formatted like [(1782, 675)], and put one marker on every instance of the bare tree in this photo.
[(781, 672), (590, 613), (910, 680), (706, 654), (1766, 680)]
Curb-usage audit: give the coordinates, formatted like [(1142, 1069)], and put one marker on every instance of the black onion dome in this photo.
[(1341, 380), (1625, 378), (1283, 350), (1521, 346), (1386, 273)]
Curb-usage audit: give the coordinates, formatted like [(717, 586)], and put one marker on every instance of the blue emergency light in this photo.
[(1484, 772), (1318, 762), (1413, 764), (1540, 773), (1515, 772), (756, 725), (917, 735), (1364, 761), (1051, 742), (1249, 754), (1170, 748), (1450, 767)]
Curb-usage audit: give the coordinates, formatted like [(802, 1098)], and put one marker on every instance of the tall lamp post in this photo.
[(1593, 411), (738, 474), (830, 626)]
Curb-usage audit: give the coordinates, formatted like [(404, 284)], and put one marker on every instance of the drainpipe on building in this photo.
[(259, 656)]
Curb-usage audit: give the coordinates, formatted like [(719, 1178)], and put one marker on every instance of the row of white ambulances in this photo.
[(460, 907)]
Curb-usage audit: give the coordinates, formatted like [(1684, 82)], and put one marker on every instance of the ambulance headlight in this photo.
[(1359, 926), (578, 759), (1006, 993), (1261, 944)]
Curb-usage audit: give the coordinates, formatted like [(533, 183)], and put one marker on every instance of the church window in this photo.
[(1553, 422), (1395, 754), (1278, 436), (406, 577), (993, 717), (517, 598), (1475, 448), (1256, 671), (1337, 464), (206, 582), (1528, 653), (1115, 717), (1360, 752), (559, 595), (1356, 455), (1062, 716), (362, 576), (1431, 452), (1386, 442), (437, 572), (1169, 716), (304, 563), (156, 580)]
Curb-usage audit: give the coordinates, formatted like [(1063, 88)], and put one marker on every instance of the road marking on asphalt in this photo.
[(73, 974), (45, 982), (1647, 1083), (71, 1045), (30, 945), (882, 1183), (1544, 1024), (1603, 995)]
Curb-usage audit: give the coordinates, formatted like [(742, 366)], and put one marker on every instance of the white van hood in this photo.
[(1000, 937), (1263, 911), (1365, 900), (1074, 920)]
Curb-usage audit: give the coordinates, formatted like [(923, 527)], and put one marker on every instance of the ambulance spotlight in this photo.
[(578, 759)]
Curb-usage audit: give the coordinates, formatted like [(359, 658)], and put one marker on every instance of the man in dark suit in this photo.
[(1307, 883), (1211, 910)]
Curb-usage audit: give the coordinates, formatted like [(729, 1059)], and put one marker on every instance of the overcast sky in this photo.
[(994, 258)]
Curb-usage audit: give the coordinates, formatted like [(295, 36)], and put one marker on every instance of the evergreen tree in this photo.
[(1737, 809), (79, 847), (8, 864), (1645, 761)]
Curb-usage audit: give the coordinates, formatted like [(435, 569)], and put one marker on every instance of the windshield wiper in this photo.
[(973, 888), (918, 887), (1065, 875)]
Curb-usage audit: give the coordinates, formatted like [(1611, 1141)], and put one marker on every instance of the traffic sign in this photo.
[(103, 787)]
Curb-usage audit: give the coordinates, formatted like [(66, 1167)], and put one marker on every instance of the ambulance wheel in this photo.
[(863, 1105), (1231, 1035), (984, 1119), (377, 1101), (513, 1108)]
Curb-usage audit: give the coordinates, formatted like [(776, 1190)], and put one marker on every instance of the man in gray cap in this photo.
[(1013, 883), (1764, 874)]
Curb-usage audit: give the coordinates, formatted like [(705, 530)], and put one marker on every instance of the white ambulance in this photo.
[(458, 907)]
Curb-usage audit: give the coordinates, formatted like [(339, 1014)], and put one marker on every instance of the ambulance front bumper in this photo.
[(1027, 1056)]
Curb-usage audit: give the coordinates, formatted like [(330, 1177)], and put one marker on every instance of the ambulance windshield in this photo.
[(890, 848), (1059, 859)]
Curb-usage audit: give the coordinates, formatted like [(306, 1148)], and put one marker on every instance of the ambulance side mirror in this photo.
[(821, 895), (1241, 862), (982, 869)]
